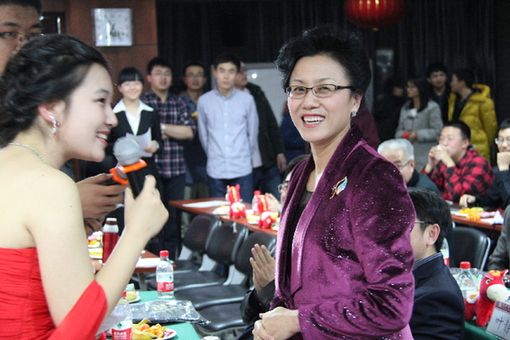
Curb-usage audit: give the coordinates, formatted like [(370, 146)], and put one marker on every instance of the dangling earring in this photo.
[(54, 125), (353, 114)]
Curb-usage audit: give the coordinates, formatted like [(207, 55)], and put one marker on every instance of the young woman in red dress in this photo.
[(55, 105)]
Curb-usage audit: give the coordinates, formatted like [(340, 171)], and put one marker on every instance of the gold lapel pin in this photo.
[(338, 187)]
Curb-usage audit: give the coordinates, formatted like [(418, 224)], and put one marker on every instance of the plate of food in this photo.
[(143, 331)]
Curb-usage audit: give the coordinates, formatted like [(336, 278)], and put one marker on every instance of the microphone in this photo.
[(132, 168)]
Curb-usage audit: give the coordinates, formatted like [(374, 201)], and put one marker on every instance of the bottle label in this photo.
[(165, 287), (121, 334)]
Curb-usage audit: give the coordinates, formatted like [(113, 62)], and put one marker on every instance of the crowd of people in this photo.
[(376, 270)]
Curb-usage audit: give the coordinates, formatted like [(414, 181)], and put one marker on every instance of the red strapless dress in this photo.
[(24, 312)]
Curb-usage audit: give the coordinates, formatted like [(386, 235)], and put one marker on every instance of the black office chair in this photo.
[(223, 244), (194, 244), (234, 290), (468, 244), (221, 318)]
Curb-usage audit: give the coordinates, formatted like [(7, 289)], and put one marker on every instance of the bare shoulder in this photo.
[(51, 195), (49, 182)]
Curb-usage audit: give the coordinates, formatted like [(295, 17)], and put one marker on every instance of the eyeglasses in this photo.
[(14, 36), (400, 166), (283, 187), (319, 91), (500, 141)]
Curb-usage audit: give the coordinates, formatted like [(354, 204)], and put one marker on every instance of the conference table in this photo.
[(209, 205), (185, 330), (484, 226)]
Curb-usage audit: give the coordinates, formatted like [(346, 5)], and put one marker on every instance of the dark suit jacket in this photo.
[(438, 311)]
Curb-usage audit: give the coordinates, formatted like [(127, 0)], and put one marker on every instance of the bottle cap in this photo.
[(110, 225), (111, 220), (465, 265), (163, 253)]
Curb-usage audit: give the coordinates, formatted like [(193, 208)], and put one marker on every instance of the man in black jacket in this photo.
[(265, 177), (438, 311)]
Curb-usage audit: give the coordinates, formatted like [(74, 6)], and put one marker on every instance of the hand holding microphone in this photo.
[(147, 211), (132, 168)]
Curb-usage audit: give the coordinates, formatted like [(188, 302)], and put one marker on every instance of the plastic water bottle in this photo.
[(466, 280), (445, 250), (110, 237), (122, 329), (255, 202), (165, 276)]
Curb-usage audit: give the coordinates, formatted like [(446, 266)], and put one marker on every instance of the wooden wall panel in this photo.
[(79, 24)]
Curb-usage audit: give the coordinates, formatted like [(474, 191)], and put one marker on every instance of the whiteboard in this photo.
[(268, 78)]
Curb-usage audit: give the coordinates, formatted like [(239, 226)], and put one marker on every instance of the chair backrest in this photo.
[(468, 244), (224, 242), (198, 232), (242, 260)]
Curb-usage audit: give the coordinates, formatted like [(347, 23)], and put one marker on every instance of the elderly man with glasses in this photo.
[(400, 152)]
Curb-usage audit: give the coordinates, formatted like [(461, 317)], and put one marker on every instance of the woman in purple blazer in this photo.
[(344, 259)]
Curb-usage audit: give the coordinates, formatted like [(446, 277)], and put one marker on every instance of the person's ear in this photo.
[(412, 163), (51, 113), (433, 232)]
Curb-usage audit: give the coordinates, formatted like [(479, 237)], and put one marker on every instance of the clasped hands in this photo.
[(438, 154), (277, 324)]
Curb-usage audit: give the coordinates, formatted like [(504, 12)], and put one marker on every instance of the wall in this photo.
[(78, 23)]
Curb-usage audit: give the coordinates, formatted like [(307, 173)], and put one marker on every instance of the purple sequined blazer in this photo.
[(351, 268)]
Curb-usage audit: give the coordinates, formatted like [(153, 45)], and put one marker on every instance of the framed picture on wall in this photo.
[(113, 26)]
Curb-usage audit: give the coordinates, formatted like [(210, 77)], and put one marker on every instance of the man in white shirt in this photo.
[(228, 130)]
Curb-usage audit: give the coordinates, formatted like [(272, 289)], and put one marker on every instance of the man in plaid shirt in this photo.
[(176, 127), (455, 167)]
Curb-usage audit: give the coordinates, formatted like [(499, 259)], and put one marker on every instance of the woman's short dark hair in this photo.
[(346, 49), (47, 69), (129, 74), (423, 92)]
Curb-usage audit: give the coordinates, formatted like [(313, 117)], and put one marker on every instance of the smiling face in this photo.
[(17, 24), (131, 90), (322, 121), (87, 117)]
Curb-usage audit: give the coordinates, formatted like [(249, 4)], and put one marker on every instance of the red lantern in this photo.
[(373, 13)]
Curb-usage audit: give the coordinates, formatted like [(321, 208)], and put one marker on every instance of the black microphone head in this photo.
[(127, 151)]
